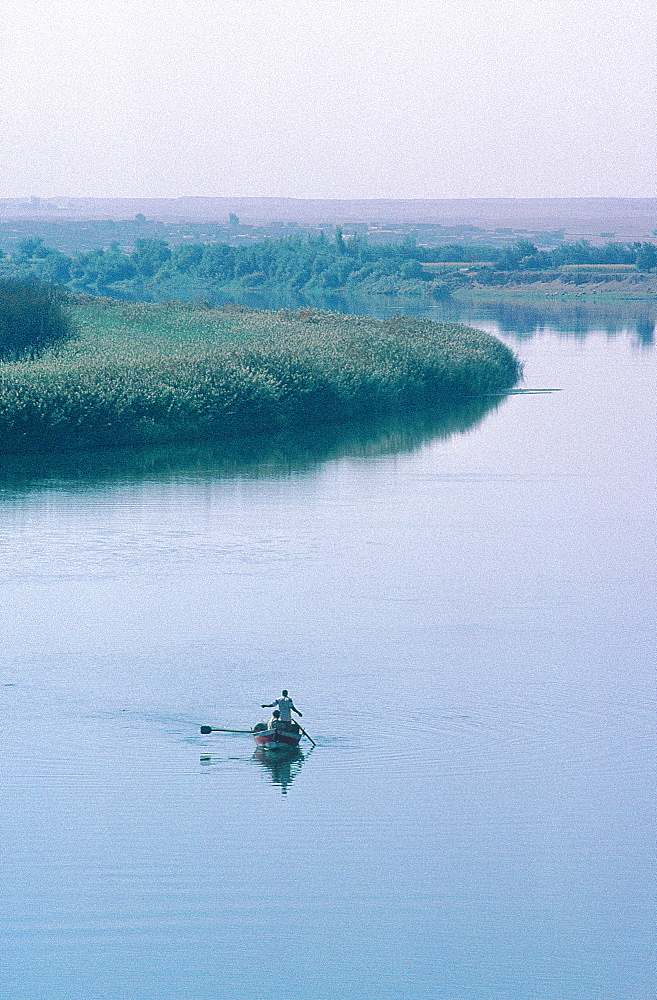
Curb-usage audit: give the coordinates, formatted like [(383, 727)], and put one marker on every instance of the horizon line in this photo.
[(248, 197)]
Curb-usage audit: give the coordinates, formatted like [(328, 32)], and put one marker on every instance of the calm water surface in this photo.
[(466, 616)]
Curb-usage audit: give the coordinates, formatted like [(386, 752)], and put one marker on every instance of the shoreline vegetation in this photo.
[(141, 374), (152, 270)]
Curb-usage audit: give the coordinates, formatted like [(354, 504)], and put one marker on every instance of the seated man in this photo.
[(275, 721)]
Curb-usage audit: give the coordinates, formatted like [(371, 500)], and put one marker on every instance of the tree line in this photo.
[(154, 269)]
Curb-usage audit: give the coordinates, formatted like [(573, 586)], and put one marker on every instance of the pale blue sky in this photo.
[(341, 99)]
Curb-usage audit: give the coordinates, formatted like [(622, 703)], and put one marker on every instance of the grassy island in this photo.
[(144, 374)]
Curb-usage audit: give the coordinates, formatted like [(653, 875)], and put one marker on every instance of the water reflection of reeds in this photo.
[(259, 457)]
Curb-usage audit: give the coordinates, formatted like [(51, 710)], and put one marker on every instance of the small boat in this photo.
[(284, 738)]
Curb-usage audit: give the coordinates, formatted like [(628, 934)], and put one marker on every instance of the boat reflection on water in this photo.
[(283, 767)]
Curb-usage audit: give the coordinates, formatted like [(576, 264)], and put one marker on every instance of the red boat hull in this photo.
[(277, 739)]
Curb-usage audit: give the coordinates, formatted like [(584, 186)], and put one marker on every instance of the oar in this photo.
[(212, 729), (306, 734), (513, 392)]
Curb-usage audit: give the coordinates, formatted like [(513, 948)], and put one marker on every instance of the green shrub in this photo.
[(32, 318)]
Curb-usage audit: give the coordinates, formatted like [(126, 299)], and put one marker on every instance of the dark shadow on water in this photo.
[(645, 331), (522, 318), (264, 457)]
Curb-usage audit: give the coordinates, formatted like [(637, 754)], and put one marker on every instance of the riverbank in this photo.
[(527, 285), (144, 374)]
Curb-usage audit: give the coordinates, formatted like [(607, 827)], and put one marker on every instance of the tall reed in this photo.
[(145, 374)]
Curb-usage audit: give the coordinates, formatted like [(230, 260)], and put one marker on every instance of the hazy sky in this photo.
[(328, 98)]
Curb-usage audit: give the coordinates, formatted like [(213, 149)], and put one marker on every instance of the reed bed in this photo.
[(143, 374)]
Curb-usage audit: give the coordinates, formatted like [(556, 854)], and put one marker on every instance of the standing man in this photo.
[(285, 706)]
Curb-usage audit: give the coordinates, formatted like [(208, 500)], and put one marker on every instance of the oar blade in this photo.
[(214, 729)]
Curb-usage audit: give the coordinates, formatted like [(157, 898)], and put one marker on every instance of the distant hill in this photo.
[(617, 218)]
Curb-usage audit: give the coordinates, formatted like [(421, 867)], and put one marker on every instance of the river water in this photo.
[(463, 609)]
